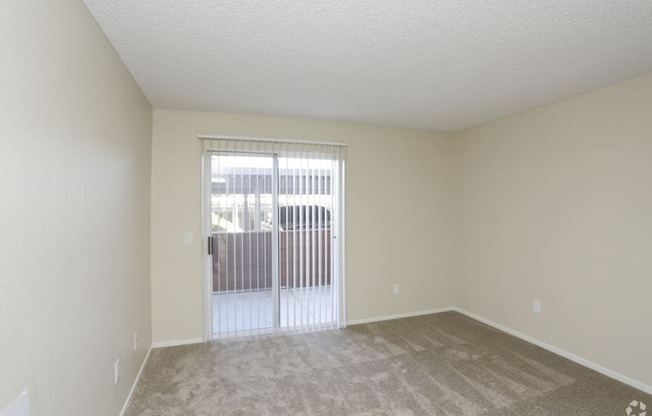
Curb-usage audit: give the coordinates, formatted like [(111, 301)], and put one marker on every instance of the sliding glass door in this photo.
[(273, 213), (244, 278)]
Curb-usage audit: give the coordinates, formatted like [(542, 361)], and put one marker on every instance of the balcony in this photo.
[(243, 261), (242, 280), (251, 311)]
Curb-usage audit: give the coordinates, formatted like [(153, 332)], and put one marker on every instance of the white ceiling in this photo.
[(437, 65)]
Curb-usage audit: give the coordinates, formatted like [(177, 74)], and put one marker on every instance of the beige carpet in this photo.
[(443, 364)]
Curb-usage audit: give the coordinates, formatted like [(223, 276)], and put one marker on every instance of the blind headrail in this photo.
[(266, 140)]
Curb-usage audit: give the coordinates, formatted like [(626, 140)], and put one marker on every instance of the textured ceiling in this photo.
[(437, 65)]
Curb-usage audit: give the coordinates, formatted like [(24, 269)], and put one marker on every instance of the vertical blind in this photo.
[(274, 222)]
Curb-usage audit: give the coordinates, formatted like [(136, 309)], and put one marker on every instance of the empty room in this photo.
[(325, 208)]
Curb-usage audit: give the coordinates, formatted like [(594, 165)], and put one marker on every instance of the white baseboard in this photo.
[(133, 387), (400, 315), (177, 342), (579, 360)]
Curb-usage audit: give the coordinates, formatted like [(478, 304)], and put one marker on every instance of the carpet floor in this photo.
[(440, 364)]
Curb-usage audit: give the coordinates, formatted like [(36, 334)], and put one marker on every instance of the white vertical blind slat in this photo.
[(333, 240), (297, 213), (312, 231), (287, 254), (342, 245), (320, 236), (258, 307), (306, 236), (294, 234)]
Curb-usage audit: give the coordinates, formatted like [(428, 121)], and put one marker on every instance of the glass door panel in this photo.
[(242, 198)]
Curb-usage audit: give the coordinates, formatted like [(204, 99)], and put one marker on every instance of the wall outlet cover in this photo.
[(187, 238), (536, 306), (116, 369)]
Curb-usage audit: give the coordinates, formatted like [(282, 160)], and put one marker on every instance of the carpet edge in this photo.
[(575, 358)]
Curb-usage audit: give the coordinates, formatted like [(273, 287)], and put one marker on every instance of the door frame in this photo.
[(207, 258), (339, 265)]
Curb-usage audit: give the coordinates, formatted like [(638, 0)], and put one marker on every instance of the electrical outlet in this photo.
[(396, 289), (187, 238), (536, 306), (136, 340), (116, 371)]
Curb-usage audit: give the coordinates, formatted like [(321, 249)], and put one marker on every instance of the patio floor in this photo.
[(252, 311)]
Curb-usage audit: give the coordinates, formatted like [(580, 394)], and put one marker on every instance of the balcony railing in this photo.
[(243, 261)]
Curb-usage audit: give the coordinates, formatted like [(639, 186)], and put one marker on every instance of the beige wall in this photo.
[(556, 204), (552, 204), (75, 136), (399, 214)]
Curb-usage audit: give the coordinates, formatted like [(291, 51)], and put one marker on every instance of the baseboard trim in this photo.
[(398, 316), (575, 358), (177, 342), (133, 387)]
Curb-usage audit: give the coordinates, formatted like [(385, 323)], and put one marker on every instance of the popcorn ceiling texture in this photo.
[(437, 65)]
